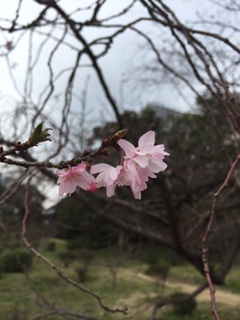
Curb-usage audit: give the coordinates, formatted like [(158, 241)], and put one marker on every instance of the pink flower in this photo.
[(146, 155), (110, 177), (107, 177), (71, 178), (141, 175)]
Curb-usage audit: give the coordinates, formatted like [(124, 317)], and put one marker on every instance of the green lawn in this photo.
[(114, 278)]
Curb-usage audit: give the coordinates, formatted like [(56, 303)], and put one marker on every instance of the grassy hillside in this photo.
[(117, 278)]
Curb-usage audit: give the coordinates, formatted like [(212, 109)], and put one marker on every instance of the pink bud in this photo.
[(92, 187)]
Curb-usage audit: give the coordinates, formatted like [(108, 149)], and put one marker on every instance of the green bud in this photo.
[(39, 135), (120, 134)]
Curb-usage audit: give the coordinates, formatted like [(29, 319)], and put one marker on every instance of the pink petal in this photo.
[(67, 187), (142, 161), (160, 149), (111, 190), (100, 179), (99, 167), (143, 174), (100, 183), (151, 175), (113, 173), (60, 173), (145, 149), (137, 195), (147, 138), (132, 172), (83, 184), (88, 177), (79, 168), (127, 147), (107, 178), (157, 166), (137, 190)]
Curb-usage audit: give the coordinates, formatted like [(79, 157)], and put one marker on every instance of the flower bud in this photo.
[(120, 134)]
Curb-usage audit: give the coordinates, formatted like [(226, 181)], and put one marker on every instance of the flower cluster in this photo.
[(137, 166), (73, 177)]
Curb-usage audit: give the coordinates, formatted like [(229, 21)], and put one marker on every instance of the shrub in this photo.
[(81, 272), (184, 308), (66, 257), (158, 269), (15, 261), (85, 256), (50, 246), (17, 314), (74, 244)]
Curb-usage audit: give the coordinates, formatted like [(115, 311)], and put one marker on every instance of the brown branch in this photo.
[(19, 149), (207, 234), (10, 191), (91, 56), (63, 313), (177, 300)]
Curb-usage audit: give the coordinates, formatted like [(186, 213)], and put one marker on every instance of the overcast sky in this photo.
[(116, 64)]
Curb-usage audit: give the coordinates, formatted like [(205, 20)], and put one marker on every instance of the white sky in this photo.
[(115, 65)]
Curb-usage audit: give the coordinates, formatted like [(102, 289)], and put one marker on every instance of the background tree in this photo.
[(175, 207)]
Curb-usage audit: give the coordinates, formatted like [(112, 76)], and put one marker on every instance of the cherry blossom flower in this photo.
[(110, 177), (141, 176), (146, 155), (74, 176), (107, 177)]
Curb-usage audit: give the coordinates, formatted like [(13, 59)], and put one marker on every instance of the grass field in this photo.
[(115, 278)]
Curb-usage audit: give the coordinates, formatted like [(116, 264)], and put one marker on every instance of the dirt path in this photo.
[(222, 296)]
